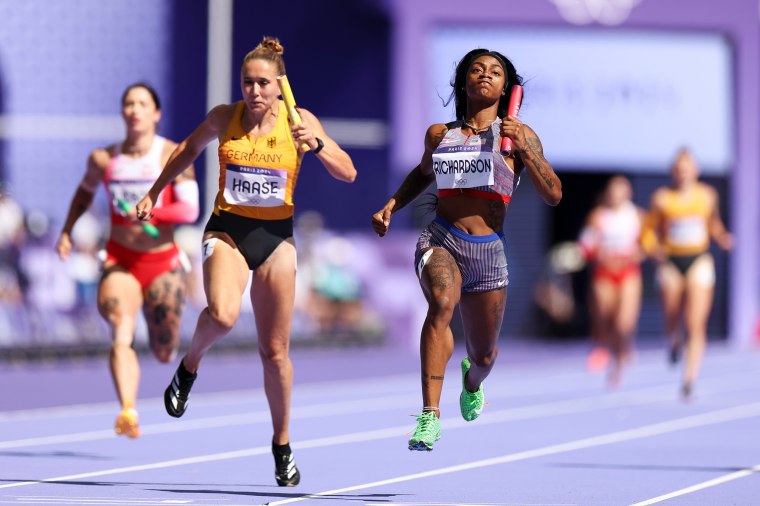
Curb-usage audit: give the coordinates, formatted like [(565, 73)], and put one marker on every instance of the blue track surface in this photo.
[(552, 434)]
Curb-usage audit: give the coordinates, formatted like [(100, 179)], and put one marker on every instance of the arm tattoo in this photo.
[(536, 159), (439, 136)]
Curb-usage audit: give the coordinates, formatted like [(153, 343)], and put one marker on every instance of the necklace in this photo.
[(136, 149), (475, 130)]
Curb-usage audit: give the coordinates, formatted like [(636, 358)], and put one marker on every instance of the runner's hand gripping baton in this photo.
[(290, 103), (148, 228), (513, 109)]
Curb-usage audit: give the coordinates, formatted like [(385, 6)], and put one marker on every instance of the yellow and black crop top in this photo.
[(257, 177), (685, 221)]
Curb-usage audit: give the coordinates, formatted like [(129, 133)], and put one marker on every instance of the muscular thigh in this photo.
[(482, 314), (630, 300), (671, 283), (119, 294), (225, 272), (273, 294), (164, 302), (440, 277), (605, 295), (700, 282), (701, 274)]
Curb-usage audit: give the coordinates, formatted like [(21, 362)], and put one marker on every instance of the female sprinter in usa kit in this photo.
[(461, 255)]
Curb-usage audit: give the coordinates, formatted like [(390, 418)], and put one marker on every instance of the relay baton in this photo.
[(513, 109), (148, 228), (290, 103)]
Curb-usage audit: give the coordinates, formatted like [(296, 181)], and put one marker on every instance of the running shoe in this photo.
[(126, 424), (177, 394), (598, 359), (428, 431), (285, 471), (470, 403), (674, 354)]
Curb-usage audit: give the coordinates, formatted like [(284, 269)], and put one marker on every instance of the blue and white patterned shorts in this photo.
[(482, 259)]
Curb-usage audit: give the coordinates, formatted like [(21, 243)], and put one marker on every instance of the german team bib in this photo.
[(688, 231), (255, 186)]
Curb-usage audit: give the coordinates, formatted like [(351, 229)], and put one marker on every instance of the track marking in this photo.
[(709, 418), (689, 422), (516, 388), (648, 395), (589, 403), (95, 500), (384, 503), (701, 486)]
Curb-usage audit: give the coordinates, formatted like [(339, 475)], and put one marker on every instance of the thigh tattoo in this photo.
[(441, 270)]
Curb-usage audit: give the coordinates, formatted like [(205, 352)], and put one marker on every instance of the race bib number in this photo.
[(463, 167), (129, 191), (689, 231), (255, 186)]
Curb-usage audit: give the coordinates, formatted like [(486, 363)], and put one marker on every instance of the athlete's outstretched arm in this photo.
[(336, 161), (82, 199), (184, 155), (415, 182)]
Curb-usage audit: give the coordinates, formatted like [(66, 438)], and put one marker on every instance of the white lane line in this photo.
[(590, 403), (701, 486), (689, 422), (709, 418), (579, 405), (73, 502), (306, 412), (261, 450), (516, 386), (94, 500), (384, 503), (227, 397)]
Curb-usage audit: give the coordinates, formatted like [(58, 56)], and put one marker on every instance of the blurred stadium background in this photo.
[(613, 86)]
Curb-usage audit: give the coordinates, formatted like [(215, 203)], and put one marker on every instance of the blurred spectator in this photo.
[(13, 280), (336, 296), (330, 297), (83, 265)]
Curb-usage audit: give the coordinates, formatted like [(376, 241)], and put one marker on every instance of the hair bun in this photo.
[(273, 44)]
